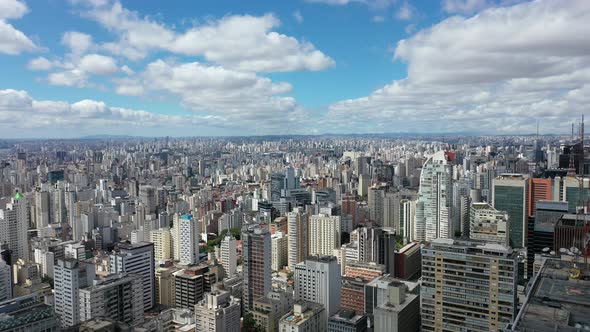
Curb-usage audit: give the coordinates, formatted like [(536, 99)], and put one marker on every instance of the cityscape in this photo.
[(232, 166)]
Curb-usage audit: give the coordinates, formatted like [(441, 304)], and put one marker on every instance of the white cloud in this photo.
[(404, 12), (98, 64), (13, 41), (464, 6), (297, 16), (240, 42), (40, 63), (77, 42), (12, 9), (74, 77), (478, 74), (370, 3)]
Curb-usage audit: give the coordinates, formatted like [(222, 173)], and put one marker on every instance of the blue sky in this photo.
[(82, 67)]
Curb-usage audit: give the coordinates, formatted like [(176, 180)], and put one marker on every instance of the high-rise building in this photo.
[(349, 207), (14, 223), (392, 305), (162, 240), (69, 277), (475, 275), (164, 286), (185, 239), (488, 224), (279, 244), (218, 312), (407, 211), (6, 283), (305, 316), (119, 297), (148, 196), (277, 184), (191, 284), (28, 313), (297, 225), (510, 194), (317, 279), (375, 202), (324, 232), (352, 294), (228, 255), (538, 189), (542, 229), (138, 259), (434, 208), (256, 252)]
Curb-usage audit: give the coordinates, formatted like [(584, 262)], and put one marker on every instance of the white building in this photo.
[(185, 239), (5, 281), (317, 279), (162, 240), (324, 232), (488, 224), (218, 312), (118, 297), (228, 255), (139, 259), (279, 243), (305, 316), (14, 223), (433, 209), (69, 277)]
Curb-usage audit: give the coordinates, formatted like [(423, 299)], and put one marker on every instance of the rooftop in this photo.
[(556, 301)]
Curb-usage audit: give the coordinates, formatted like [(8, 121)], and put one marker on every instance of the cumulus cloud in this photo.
[(13, 41), (464, 6), (477, 74), (98, 64), (235, 95), (12, 9), (40, 63), (242, 42), (77, 42)]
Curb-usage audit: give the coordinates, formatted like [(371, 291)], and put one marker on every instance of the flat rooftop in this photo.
[(556, 302)]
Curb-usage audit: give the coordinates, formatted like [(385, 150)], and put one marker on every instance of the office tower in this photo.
[(137, 259), (185, 239), (362, 165), (305, 316), (488, 224), (256, 252), (538, 189), (28, 313), (218, 312), (387, 245), (162, 240), (191, 284), (375, 202), (291, 181), (352, 294), (391, 210), (268, 310), (324, 232), (347, 321), (42, 211), (228, 255), (433, 210), (317, 279), (118, 297), (279, 244), (277, 184), (461, 189), (542, 230), (297, 225), (572, 193), (408, 261), (147, 196), (14, 223), (555, 302), (571, 232), (364, 183), (464, 215), (164, 286), (5, 280), (407, 210), (476, 275), (69, 277), (509, 193)]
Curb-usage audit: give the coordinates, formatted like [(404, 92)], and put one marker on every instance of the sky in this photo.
[(72, 68)]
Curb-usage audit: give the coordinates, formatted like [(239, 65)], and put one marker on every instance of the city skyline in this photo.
[(101, 67)]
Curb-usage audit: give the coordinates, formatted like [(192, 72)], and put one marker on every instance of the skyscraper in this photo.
[(14, 223), (228, 255), (475, 275), (138, 259), (185, 239), (509, 193), (317, 279), (256, 252), (70, 276), (433, 216), (324, 232), (279, 244), (297, 225)]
